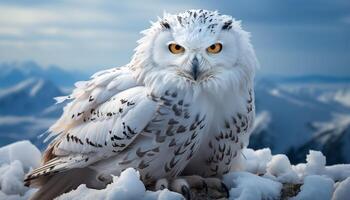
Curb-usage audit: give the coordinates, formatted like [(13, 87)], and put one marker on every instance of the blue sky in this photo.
[(291, 37)]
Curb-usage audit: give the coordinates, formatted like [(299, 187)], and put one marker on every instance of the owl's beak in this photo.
[(195, 66)]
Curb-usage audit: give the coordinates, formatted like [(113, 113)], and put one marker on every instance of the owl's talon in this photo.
[(181, 186), (107, 179), (225, 189), (205, 186), (192, 186), (211, 186), (186, 192), (178, 185), (162, 187), (162, 184)]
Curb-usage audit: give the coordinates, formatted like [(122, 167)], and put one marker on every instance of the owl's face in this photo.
[(195, 56), (197, 47)]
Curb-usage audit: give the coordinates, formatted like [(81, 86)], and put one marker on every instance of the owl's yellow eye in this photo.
[(175, 48), (215, 48)]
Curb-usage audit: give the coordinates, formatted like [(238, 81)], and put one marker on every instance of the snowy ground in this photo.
[(264, 176)]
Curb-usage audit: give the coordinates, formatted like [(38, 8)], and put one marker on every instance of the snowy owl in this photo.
[(183, 107)]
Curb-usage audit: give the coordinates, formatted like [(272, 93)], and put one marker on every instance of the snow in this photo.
[(263, 177), (36, 88), (19, 87), (315, 187), (315, 124), (22, 151), (275, 92), (127, 186), (341, 96), (316, 165), (256, 161), (10, 178), (338, 172), (342, 190), (15, 161), (247, 186), (281, 168), (337, 126), (262, 121)]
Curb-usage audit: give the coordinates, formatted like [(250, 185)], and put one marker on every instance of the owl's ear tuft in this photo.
[(165, 24), (227, 25)]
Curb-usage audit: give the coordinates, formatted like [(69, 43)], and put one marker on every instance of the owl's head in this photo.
[(196, 49)]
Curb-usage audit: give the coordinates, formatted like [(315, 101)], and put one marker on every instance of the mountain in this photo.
[(14, 128), (309, 79), (332, 138), (294, 114), (12, 73), (27, 107), (29, 97), (289, 117)]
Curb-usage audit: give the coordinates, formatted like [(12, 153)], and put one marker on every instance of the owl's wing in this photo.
[(106, 115), (89, 94)]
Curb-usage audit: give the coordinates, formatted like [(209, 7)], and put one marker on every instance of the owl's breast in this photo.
[(228, 132), (170, 140)]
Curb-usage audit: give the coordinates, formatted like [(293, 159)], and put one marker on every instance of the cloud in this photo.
[(92, 34), (80, 34)]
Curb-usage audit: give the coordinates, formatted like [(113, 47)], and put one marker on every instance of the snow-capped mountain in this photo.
[(293, 114), (27, 107), (26, 110), (293, 118), (12, 73), (332, 138), (29, 97)]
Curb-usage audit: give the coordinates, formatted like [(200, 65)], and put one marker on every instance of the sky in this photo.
[(291, 37)]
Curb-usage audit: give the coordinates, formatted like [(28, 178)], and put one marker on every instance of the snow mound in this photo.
[(127, 186), (315, 187), (281, 168), (342, 190), (15, 161), (247, 186), (256, 161), (23, 151), (264, 176)]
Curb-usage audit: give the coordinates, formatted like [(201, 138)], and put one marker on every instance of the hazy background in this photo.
[(290, 37), (302, 88)]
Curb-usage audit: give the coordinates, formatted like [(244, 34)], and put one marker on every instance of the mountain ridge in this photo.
[(14, 72)]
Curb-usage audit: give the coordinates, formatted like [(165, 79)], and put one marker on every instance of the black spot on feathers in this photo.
[(227, 25), (165, 24)]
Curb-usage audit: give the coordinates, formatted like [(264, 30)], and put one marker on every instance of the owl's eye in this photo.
[(215, 48), (175, 48)]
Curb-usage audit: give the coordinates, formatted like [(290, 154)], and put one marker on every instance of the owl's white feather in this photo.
[(164, 113)]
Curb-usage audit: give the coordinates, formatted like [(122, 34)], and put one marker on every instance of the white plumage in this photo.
[(184, 104)]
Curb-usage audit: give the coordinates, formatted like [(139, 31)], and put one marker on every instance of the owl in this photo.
[(179, 112)]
